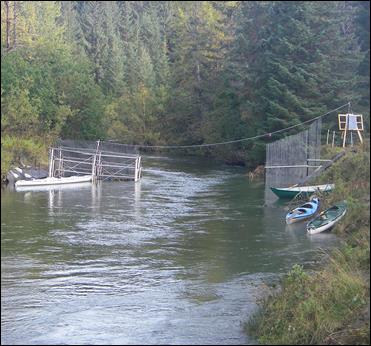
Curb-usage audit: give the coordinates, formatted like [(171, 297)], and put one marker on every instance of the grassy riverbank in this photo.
[(329, 305), (22, 151)]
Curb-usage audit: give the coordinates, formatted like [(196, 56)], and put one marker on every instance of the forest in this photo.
[(176, 72)]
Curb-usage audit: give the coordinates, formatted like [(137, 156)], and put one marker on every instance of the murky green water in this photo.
[(178, 258)]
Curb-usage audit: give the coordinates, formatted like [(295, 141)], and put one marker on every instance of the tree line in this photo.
[(178, 72)]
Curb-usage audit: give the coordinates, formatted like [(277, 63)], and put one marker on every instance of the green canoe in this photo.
[(327, 218), (291, 192)]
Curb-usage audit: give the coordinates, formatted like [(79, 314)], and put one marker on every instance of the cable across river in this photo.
[(236, 140)]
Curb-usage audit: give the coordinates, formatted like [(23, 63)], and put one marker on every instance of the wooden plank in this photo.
[(359, 135), (345, 136)]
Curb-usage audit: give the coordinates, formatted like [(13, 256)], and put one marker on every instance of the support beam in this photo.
[(345, 136)]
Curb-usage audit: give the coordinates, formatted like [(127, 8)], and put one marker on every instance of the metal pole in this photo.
[(93, 167), (136, 170), (95, 161), (51, 162), (60, 163), (140, 167), (99, 165)]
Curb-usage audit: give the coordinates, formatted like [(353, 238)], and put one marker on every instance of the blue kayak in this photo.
[(303, 212)]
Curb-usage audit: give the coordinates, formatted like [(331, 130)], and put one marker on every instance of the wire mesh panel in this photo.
[(68, 162), (106, 160), (287, 159), (103, 145)]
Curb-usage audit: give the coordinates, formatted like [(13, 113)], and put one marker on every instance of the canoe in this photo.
[(291, 192), (327, 218), (53, 181), (303, 212)]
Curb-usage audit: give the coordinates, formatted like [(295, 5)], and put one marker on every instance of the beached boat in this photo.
[(53, 181), (291, 192), (304, 212), (327, 218)]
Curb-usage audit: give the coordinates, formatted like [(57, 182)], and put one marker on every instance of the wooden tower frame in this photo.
[(350, 122)]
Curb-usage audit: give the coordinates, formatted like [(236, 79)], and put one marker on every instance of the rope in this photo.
[(236, 140)]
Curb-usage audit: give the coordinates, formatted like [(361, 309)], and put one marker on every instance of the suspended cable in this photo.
[(267, 134)]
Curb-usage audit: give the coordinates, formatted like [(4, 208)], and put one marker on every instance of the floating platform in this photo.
[(53, 181)]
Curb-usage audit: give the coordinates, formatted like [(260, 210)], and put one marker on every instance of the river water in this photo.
[(180, 257)]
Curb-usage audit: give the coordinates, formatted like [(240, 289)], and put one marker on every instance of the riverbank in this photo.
[(17, 151), (329, 305)]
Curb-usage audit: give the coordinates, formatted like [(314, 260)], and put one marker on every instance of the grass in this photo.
[(331, 305)]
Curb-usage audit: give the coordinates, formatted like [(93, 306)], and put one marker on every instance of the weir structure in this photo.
[(101, 160), (293, 159)]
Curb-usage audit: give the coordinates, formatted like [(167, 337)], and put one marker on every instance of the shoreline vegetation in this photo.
[(329, 305), (22, 152)]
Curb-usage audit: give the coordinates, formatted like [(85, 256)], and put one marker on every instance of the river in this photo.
[(180, 257)]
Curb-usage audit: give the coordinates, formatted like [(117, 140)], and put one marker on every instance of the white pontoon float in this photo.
[(53, 181)]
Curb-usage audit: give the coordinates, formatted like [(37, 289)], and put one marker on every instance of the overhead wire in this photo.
[(267, 134)]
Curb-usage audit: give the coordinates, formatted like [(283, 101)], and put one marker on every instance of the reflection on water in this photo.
[(177, 258)]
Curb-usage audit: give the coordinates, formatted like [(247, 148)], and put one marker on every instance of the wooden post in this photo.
[(344, 138), (346, 128), (351, 138), (333, 138), (359, 135), (328, 133)]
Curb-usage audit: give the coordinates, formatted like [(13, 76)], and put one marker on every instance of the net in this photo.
[(287, 159)]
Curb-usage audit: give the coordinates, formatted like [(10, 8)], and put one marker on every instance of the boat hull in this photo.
[(293, 220), (291, 192), (284, 193), (304, 212), (53, 181), (317, 226)]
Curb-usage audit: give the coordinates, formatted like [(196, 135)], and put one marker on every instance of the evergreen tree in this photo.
[(362, 24), (293, 61)]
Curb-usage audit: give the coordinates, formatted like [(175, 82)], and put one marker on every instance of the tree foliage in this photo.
[(179, 72)]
